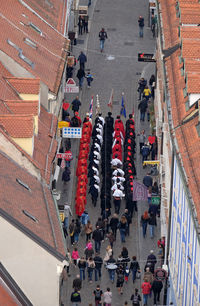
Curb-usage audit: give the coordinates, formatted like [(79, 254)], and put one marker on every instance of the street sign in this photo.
[(146, 57), (155, 200), (62, 217), (151, 162), (71, 86), (160, 274), (71, 82), (72, 132), (67, 155), (62, 124)]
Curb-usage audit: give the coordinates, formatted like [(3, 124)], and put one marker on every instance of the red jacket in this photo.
[(119, 124), (80, 205), (117, 154), (81, 170), (146, 288), (117, 147), (83, 178)]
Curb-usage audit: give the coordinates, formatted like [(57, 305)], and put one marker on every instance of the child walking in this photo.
[(89, 79)]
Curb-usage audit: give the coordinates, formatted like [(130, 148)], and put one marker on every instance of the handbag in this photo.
[(138, 275), (71, 234)]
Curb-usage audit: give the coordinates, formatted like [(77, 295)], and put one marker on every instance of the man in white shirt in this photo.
[(116, 162), (117, 186), (118, 179), (67, 213), (118, 171), (117, 195)]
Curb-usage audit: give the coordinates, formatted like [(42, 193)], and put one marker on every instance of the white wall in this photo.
[(34, 269)]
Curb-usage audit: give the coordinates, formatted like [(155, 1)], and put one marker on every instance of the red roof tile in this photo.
[(190, 32), (6, 298), (192, 65), (191, 49), (18, 126), (43, 47), (15, 198), (22, 107), (193, 83), (6, 91), (25, 85)]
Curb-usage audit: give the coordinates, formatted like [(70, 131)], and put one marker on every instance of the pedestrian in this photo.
[(145, 153), (76, 103), (69, 260), (144, 222), (146, 289), (161, 254), (98, 264), (89, 3), (148, 275), (156, 288), (88, 230), (126, 274), (136, 298), (82, 267), (82, 60), (75, 298), (114, 221), (123, 228), (111, 267), (155, 189), (89, 252), (147, 181), (89, 79), (71, 231), (75, 256), (102, 37), (128, 218), (80, 75), (141, 26), (77, 283), (143, 108), (76, 120), (67, 213), (120, 279), (66, 178), (107, 297), (98, 294), (147, 93), (80, 25), (97, 237), (152, 224), (90, 268), (77, 230), (142, 139), (149, 194), (134, 267), (85, 24), (111, 238), (109, 252), (152, 259), (141, 85)]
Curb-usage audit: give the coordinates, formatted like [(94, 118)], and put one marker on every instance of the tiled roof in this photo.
[(22, 107), (6, 91), (6, 298), (54, 12), (32, 43), (184, 119), (25, 85), (15, 199), (18, 126)]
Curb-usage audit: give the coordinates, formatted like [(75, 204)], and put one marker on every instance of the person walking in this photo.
[(89, 79), (102, 37), (145, 152), (97, 237), (98, 294), (134, 267), (77, 230), (156, 288), (75, 298), (71, 231), (89, 252), (80, 75), (88, 230), (114, 221), (111, 267), (141, 26), (98, 264), (144, 222), (77, 283), (109, 252), (85, 24), (142, 139), (82, 60), (152, 259), (75, 256), (146, 290), (107, 297), (123, 228), (90, 268), (147, 93), (136, 298), (82, 267), (67, 213), (80, 25), (120, 279), (143, 107), (76, 103), (152, 224)]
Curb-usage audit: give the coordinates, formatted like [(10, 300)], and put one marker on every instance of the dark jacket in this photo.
[(75, 296), (80, 74), (114, 223), (75, 105), (141, 22), (102, 35), (82, 58), (77, 284), (98, 262), (82, 264), (66, 175), (143, 105), (157, 286), (134, 265), (152, 219), (152, 258), (97, 235)]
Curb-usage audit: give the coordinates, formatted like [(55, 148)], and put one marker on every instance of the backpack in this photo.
[(102, 35), (120, 277), (74, 122), (98, 294), (136, 299)]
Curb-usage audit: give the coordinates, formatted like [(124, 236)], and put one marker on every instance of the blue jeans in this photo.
[(141, 31), (82, 274), (76, 236), (90, 273), (81, 82), (97, 246), (102, 44), (134, 275), (66, 222), (145, 297), (97, 273), (142, 116), (144, 229), (122, 234), (111, 275), (151, 230)]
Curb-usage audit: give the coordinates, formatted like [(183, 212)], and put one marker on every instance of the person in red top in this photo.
[(146, 290), (119, 124), (117, 154), (80, 205), (81, 170), (117, 147)]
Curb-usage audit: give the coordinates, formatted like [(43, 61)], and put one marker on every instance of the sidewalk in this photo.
[(120, 73)]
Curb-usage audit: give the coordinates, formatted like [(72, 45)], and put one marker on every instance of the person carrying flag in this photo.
[(123, 108)]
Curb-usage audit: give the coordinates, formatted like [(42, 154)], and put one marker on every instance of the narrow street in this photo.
[(117, 67)]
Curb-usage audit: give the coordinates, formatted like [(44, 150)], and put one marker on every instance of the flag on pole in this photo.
[(91, 108), (123, 109), (98, 108), (110, 103)]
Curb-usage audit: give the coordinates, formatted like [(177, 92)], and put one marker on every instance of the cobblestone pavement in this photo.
[(116, 68)]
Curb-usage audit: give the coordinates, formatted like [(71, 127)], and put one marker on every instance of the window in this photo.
[(185, 92), (30, 43), (29, 215), (13, 44), (22, 184), (25, 59), (35, 28)]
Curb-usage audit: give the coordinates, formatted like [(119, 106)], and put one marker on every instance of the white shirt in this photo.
[(97, 146), (97, 179), (116, 161), (114, 187), (115, 173), (100, 138), (107, 297), (100, 126), (97, 187), (67, 211), (99, 131), (114, 178), (115, 140), (97, 154), (95, 170), (102, 119), (118, 193)]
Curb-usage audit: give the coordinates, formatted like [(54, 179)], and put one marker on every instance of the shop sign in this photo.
[(62, 124), (155, 200)]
